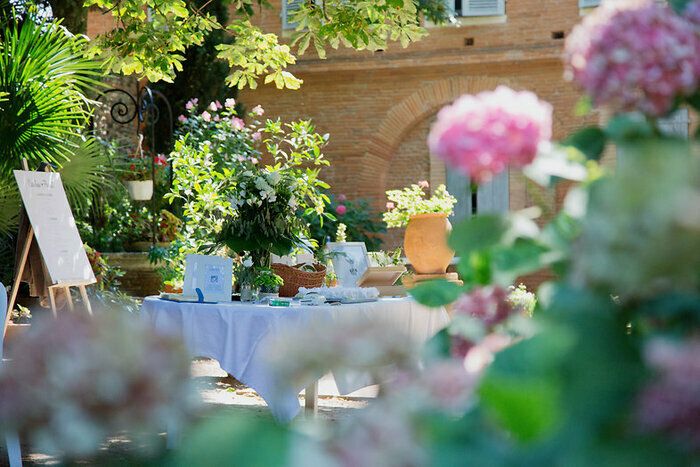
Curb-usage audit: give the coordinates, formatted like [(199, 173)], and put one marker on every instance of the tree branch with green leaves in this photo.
[(151, 36)]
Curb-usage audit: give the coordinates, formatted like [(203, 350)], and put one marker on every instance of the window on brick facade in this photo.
[(491, 197), (289, 6), (676, 124), (477, 7)]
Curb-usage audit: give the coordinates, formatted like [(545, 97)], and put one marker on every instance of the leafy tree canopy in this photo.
[(152, 36)]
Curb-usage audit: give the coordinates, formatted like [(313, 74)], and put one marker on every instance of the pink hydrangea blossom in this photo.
[(670, 403), (489, 304), (634, 56), (257, 136), (341, 209), (482, 134), (182, 119), (192, 103), (230, 103), (254, 161), (237, 124), (206, 116), (213, 107), (692, 14), (390, 205), (258, 110), (424, 184)]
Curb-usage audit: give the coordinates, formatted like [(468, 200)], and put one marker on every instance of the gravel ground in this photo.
[(220, 392)]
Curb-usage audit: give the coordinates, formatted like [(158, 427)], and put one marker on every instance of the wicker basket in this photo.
[(294, 278)]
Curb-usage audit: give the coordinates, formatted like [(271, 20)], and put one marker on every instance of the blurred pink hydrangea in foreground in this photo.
[(692, 14), (75, 380), (482, 134), (670, 404), (489, 305), (635, 55)]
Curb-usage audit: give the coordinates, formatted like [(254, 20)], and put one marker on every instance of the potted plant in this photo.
[(267, 282), (20, 322), (137, 178), (427, 225), (138, 174), (139, 231)]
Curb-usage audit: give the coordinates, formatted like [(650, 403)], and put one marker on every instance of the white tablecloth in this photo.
[(235, 334)]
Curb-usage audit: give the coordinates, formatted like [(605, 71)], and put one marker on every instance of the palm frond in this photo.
[(10, 203), (45, 76), (87, 173)]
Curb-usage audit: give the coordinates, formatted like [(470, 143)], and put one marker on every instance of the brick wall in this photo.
[(378, 107)]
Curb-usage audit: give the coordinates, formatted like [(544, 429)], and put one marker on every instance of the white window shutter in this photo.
[(450, 4), (588, 3), (483, 7), (676, 124), (459, 187), (491, 197), (288, 6), (494, 196)]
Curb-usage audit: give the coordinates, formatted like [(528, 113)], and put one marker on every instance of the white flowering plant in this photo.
[(240, 183), (413, 200), (266, 200)]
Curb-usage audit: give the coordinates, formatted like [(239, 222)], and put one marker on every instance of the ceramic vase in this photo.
[(425, 243)]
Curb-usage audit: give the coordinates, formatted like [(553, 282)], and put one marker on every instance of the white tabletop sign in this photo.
[(54, 226)]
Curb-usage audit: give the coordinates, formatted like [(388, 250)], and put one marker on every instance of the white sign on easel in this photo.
[(54, 226), (57, 235)]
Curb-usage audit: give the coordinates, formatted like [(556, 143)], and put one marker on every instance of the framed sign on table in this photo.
[(350, 261), (213, 275)]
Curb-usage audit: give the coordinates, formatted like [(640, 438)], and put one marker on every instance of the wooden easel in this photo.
[(52, 288)]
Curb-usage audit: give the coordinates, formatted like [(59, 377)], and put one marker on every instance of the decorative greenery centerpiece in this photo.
[(412, 200), (242, 183)]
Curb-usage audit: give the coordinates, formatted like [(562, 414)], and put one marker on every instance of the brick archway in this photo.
[(402, 117)]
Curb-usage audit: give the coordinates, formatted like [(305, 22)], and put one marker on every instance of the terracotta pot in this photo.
[(16, 330), (140, 190), (167, 288), (425, 243)]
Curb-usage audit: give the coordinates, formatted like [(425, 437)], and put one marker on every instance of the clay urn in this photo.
[(425, 243)]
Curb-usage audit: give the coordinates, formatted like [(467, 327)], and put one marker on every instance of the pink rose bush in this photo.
[(635, 56), (480, 135)]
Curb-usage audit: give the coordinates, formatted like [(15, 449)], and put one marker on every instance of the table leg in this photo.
[(311, 399)]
